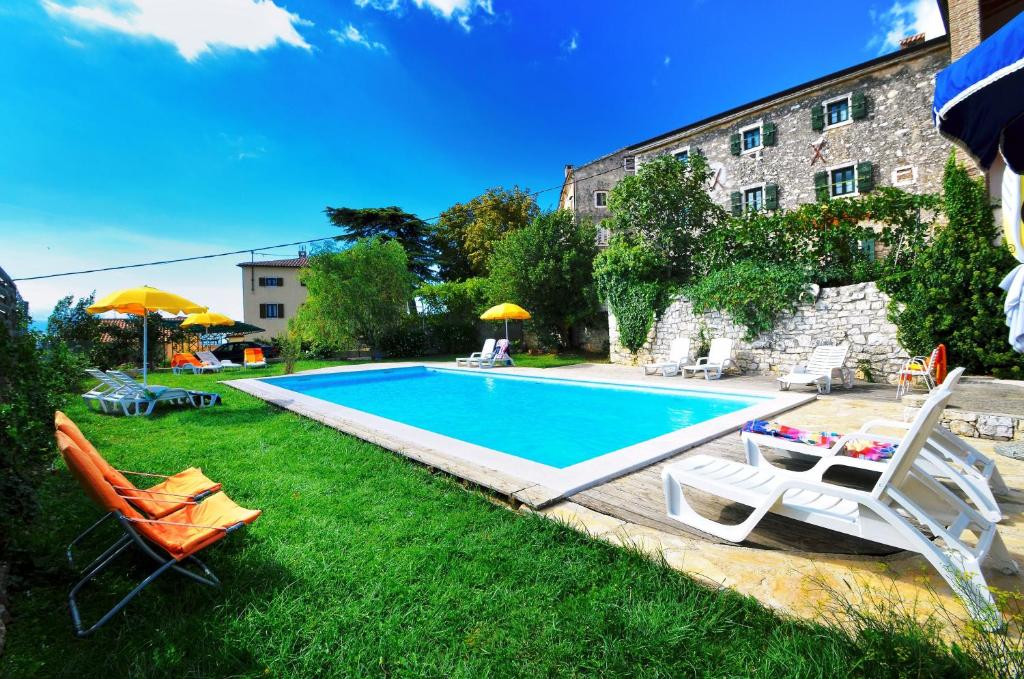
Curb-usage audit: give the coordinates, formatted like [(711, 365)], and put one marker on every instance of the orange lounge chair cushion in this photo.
[(254, 355), (190, 482), (215, 512), (179, 360)]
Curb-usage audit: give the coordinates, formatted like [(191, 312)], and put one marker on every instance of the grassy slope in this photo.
[(364, 563)]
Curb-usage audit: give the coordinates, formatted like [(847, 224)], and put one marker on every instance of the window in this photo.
[(903, 176), (837, 112), (844, 181), (682, 154), (629, 163), (752, 138), (600, 199), (271, 282), (753, 199), (271, 310)]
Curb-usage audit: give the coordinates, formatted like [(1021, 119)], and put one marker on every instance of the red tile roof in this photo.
[(293, 263)]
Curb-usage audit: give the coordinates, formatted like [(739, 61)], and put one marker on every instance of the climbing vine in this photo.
[(752, 293), (628, 277)]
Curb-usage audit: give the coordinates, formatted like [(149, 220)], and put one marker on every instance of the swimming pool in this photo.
[(554, 422), (559, 434)]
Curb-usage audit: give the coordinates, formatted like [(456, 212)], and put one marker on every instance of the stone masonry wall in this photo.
[(853, 314)]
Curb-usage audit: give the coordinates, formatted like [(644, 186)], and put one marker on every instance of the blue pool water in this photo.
[(554, 422)]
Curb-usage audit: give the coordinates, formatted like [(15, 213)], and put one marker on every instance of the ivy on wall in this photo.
[(627, 274)]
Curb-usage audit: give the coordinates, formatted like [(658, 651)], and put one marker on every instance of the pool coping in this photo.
[(529, 482)]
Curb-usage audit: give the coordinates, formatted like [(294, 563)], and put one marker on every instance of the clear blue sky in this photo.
[(133, 130)]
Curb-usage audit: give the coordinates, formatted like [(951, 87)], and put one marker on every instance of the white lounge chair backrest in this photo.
[(952, 378), (909, 448), (825, 359), (488, 349), (679, 350), (130, 384), (720, 351), (207, 357)]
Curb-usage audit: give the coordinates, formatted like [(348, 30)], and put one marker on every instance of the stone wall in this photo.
[(853, 314)]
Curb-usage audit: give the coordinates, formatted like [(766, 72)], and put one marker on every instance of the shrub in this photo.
[(408, 338), (34, 379), (753, 294), (951, 293), (628, 276), (451, 312)]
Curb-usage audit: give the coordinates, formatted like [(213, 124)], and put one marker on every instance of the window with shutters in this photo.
[(843, 180), (271, 282), (271, 310), (753, 198), (629, 163), (750, 138), (600, 199)]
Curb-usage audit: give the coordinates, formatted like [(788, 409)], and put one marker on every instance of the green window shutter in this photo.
[(868, 248), (771, 197), (821, 186), (263, 310), (865, 177), (768, 134), (858, 106), (734, 144), (817, 117), (737, 203)]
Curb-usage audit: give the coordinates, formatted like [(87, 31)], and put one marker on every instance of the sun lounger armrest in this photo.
[(178, 523), (702, 360), (822, 466)]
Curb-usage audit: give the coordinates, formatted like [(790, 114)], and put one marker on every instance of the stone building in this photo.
[(840, 135), (272, 293)]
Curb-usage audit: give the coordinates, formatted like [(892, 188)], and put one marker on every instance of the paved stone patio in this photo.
[(777, 572)]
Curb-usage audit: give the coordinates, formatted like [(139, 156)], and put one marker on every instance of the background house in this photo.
[(272, 293)]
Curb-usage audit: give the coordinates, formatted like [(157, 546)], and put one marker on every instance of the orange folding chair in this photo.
[(169, 495), (171, 541)]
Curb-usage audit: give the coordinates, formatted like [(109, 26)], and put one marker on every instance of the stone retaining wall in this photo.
[(992, 426), (853, 314)]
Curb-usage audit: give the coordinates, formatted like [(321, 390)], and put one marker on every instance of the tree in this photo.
[(951, 294), (666, 206), (548, 267), (388, 223), (629, 277), (357, 295), (466, 233), (71, 323)]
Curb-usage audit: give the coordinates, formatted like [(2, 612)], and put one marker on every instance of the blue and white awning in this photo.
[(979, 98)]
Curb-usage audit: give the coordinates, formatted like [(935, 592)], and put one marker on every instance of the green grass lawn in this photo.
[(366, 564)]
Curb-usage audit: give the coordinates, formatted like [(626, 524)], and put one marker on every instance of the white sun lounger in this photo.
[(500, 355), (104, 393), (138, 400), (678, 354), (718, 359), (208, 357), (487, 351), (945, 456), (905, 508), (820, 369)]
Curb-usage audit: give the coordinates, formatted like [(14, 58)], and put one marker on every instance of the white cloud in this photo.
[(572, 43), (904, 19), (352, 34), (461, 11), (667, 60), (194, 27)]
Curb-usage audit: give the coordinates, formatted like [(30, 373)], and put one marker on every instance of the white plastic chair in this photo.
[(820, 369), (500, 355), (678, 353), (916, 367), (488, 351), (208, 357), (718, 359)]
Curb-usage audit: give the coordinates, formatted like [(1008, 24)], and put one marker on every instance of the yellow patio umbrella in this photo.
[(140, 301), (506, 312), (205, 320)]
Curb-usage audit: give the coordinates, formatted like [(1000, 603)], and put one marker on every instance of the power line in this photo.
[(255, 250)]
